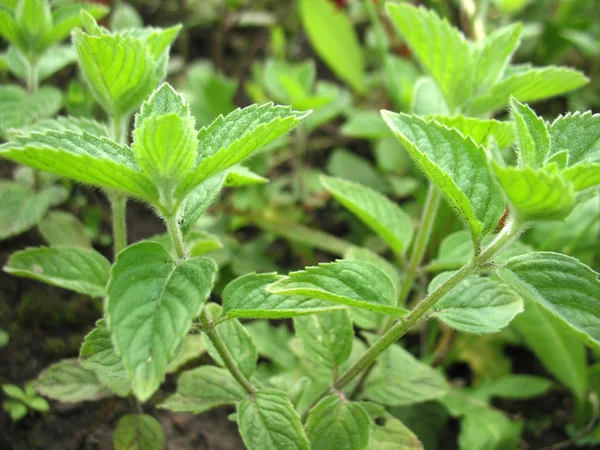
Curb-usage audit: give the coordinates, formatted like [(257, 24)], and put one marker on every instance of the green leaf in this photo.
[(16, 410), (68, 17), (364, 124), (107, 164), (387, 432), (34, 20), (230, 139), (18, 108), (492, 55), (532, 135), (151, 303), (247, 297), (527, 84), (489, 429), (272, 342), (456, 165), (440, 48), (480, 130), (327, 337), (338, 423), (577, 133), (242, 176), (375, 210), (119, 70), (63, 123), (67, 381), (582, 175), (9, 29), (566, 288), (98, 355), (514, 386), (198, 201), (476, 305), (428, 99), (63, 228), (164, 139), (366, 255), (78, 269), (559, 350), (23, 208), (347, 165), (352, 283), (204, 388), (4, 338), (536, 194), (125, 16), (191, 349), (333, 37), (138, 432), (48, 64), (268, 421), (400, 379), (238, 342)]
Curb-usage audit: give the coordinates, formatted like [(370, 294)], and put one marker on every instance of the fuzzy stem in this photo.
[(118, 205), (176, 236), (33, 81)]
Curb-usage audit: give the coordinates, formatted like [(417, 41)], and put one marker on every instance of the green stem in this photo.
[(119, 128), (301, 140), (228, 360), (176, 236), (510, 232), (118, 205), (33, 81)]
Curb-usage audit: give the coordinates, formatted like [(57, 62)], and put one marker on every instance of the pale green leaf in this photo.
[(125, 16), (34, 20), (566, 288), (352, 283), (23, 208), (230, 139), (366, 255), (349, 166), (139, 432), (527, 85), (400, 379), (480, 130), (375, 210), (489, 429), (476, 305), (338, 423), (247, 297), (63, 123), (191, 349), (202, 389), (560, 351), (577, 133), (78, 269), (440, 48), (456, 165), (514, 386), (107, 164), (66, 381), (268, 421), (387, 432), (242, 176), (334, 38), (63, 228), (583, 175), (68, 17), (98, 355), (18, 108), (492, 55), (532, 135), (327, 337), (272, 342), (198, 200), (49, 63), (152, 301), (536, 194), (428, 99), (119, 70), (365, 124), (238, 342)]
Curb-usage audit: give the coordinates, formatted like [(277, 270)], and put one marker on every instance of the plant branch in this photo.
[(33, 81), (509, 233), (176, 235), (118, 205)]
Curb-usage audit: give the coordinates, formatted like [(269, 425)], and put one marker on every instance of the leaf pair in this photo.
[(477, 78)]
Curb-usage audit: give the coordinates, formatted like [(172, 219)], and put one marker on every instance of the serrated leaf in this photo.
[(352, 283), (476, 305), (268, 421), (238, 342), (247, 296), (577, 133), (527, 85), (19, 108), (582, 175), (119, 70), (560, 351), (440, 48), (566, 288), (23, 208), (151, 303), (77, 269), (107, 164), (400, 379), (199, 199), (536, 194), (333, 37), (242, 176), (335, 422), (480, 130), (67, 381), (202, 389), (68, 17), (98, 355), (139, 432), (492, 55), (272, 342), (230, 139), (63, 228), (375, 210), (327, 337), (366, 255), (456, 165), (532, 135), (63, 123)]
